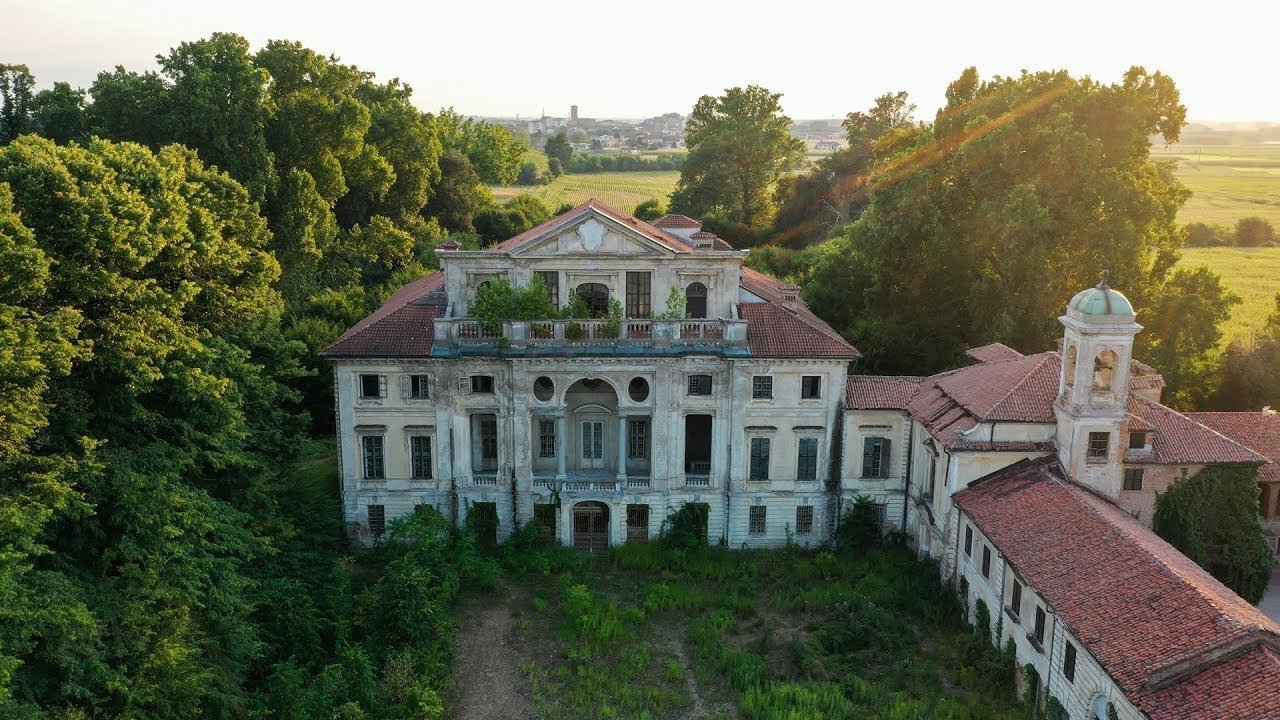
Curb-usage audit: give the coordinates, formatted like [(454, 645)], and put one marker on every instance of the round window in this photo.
[(543, 388), (638, 390)]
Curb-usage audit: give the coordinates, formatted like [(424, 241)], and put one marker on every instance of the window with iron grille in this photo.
[(807, 459), (986, 561), (637, 523), (545, 516), (551, 279), (968, 540), (1133, 479), (1015, 600), (638, 438), (1039, 630), (374, 467), (418, 389), (373, 386), (482, 383), (755, 520), (638, 295), (420, 456), (1069, 663), (699, 384), (759, 469), (762, 387), (377, 520), (875, 457), (1099, 446), (811, 387), (804, 519), (547, 438), (489, 441)]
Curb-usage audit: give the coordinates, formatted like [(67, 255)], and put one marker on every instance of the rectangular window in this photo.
[(1069, 663), (638, 438), (418, 389), (1038, 634), (755, 520), (420, 456), (699, 384), (551, 278), (807, 460), (488, 426), (373, 386), (1133, 479), (875, 457), (374, 467), (545, 516), (804, 519), (968, 540), (547, 438), (811, 387), (1015, 600), (482, 383), (638, 300), (759, 459), (377, 520), (1137, 440), (637, 523), (761, 387), (1099, 446), (986, 561)]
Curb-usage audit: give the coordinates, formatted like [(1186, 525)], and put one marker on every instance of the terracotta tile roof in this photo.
[(1017, 390), (676, 221), (880, 392), (1149, 614), (721, 244), (782, 332), (1242, 688), (401, 327), (1258, 431), (653, 233), (993, 353), (1181, 440), (701, 234)]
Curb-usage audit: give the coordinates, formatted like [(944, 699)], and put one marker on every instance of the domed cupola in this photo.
[(1101, 304)]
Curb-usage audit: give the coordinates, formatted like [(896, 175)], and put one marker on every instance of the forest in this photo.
[(178, 245)]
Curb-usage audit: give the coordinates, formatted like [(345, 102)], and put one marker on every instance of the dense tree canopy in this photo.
[(740, 146)]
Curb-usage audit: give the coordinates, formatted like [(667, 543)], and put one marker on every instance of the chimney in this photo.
[(450, 245), (681, 226), (790, 293)]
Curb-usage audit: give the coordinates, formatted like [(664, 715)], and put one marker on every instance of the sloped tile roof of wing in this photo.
[(1258, 431)]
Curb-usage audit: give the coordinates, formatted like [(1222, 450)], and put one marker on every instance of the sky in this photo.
[(643, 58)]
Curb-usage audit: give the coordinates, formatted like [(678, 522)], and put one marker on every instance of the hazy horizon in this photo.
[(637, 61)]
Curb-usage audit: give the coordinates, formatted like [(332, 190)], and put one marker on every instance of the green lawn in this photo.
[(621, 190), (1228, 182), (1252, 273)]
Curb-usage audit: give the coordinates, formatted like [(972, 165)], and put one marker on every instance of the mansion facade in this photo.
[(1031, 479)]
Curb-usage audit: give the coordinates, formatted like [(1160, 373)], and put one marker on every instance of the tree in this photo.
[(1212, 518), (1181, 332), (523, 212), (16, 84), (984, 223), (59, 114), (1250, 376), (459, 195), (1204, 235), (650, 210), (891, 111), (495, 154), (1254, 232), (739, 148), (558, 147)]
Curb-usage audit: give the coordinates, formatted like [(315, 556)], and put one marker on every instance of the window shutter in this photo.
[(464, 384), (868, 450), (406, 391), (382, 386), (886, 446)]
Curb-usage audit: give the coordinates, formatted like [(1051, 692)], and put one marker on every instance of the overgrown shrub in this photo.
[(686, 527), (860, 527)]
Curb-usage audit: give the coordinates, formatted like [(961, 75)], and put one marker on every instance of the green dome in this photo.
[(1100, 300)]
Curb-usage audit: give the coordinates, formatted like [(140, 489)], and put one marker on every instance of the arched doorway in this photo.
[(695, 300), (596, 296), (591, 527), (592, 444)]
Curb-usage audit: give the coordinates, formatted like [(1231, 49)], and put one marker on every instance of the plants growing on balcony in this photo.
[(675, 305), (498, 300)]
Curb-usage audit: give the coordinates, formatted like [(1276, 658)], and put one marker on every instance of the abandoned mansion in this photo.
[(691, 379)]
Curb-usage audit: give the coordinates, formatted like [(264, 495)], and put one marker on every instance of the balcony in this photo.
[(533, 338)]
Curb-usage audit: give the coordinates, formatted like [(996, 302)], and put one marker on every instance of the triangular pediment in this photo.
[(593, 233)]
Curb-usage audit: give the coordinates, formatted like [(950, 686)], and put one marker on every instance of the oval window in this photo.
[(638, 390), (543, 388)]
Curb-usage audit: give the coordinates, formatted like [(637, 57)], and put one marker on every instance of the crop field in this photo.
[(1228, 182), (1251, 273), (622, 190)]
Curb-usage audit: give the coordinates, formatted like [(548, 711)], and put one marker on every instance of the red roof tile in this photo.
[(1242, 688), (1139, 606), (653, 233), (880, 392), (676, 221), (1179, 439), (993, 353), (1258, 431), (398, 328), (782, 332), (1017, 390)]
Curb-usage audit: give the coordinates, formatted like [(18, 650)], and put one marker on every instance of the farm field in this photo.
[(1251, 273), (1228, 182), (621, 190)]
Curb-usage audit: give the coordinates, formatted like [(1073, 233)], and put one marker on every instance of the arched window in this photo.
[(596, 296), (1104, 366), (1071, 366), (695, 305), (1103, 709)]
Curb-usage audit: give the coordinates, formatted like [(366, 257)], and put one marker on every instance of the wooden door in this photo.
[(591, 527)]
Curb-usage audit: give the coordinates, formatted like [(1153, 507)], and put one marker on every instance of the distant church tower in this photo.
[(1093, 391)]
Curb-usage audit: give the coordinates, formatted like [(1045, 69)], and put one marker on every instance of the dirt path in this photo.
[(701, 708), (488, 681)]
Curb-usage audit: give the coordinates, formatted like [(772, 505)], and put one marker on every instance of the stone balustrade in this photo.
[(455, 336)]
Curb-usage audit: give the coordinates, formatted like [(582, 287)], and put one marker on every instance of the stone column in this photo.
[(622, 448), (562, 426)]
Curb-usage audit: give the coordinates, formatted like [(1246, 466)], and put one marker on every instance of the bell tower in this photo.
[(1093, 390)]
